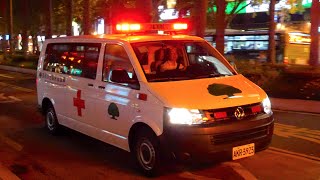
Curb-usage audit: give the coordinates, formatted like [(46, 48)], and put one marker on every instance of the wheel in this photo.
[(147, 154), (51, 121)]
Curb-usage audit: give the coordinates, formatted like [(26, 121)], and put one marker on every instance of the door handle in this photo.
[(101, 87), (89, 84)]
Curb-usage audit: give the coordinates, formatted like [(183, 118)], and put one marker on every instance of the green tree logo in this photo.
[(113, 111)]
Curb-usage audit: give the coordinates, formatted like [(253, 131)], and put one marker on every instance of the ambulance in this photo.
[(118, 89)]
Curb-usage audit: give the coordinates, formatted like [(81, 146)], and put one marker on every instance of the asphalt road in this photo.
[(297, 132), (28, 151)]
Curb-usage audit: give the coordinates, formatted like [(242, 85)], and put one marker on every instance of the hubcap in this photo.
[(147, 155), (50, 120)]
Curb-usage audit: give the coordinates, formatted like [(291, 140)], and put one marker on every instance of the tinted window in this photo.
[(78, 59)]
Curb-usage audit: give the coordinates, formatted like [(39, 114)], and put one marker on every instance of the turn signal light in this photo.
[(142, 96)]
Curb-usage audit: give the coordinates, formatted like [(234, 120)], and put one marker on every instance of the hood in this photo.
[(209, 93)]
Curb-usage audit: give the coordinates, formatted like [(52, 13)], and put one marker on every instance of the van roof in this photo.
[(128, 38)]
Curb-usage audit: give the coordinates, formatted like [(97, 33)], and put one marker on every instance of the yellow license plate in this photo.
[(243, 151)]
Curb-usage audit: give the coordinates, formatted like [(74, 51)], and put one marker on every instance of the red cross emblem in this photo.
[(79, 103)]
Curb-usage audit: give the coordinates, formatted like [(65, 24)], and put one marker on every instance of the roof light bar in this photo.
[(165, 27)]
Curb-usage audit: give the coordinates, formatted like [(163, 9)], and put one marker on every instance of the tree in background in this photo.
[(110, 10), (24, 34), (272, 33), (314, 45), (3, 23), (221, 24), (69, 13), (86, 17), (295, 6), (28, 17), (80, 12), (48, 18), (216, 15), (220, 20)]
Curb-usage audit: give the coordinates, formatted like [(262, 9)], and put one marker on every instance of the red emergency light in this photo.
[(147, 27), (180, 26), (128, 27)]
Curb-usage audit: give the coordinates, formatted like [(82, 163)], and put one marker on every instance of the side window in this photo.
[(90, 63), (56, 57), (116, 58), (78, 59)]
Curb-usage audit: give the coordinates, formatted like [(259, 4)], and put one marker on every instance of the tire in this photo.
[(51, 121), (146, 152)]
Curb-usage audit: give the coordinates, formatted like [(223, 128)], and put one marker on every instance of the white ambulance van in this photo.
[(151, 94)]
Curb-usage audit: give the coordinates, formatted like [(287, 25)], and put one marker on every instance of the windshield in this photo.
[(173, 60)]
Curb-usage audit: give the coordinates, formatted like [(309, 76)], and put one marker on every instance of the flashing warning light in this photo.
[(128, 27), (163, 27), (180, 26)]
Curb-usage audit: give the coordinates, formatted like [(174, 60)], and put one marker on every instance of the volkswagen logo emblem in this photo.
[(239, 113)]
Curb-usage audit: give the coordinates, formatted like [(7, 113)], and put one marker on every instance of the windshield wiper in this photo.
[(210, 75), (163, 79)]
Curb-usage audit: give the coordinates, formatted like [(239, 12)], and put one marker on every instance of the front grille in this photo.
[(230, 113), (259, 132)]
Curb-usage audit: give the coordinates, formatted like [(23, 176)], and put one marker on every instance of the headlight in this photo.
[(184, 116), (267, 106)]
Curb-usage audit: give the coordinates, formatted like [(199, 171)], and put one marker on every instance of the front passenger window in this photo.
[(116, 58)]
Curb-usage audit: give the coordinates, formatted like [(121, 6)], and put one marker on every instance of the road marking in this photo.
[(5, 173), (242, 171), (294, 154), (288, 131), (189, 175), (8, 99), (16, 87), (11, 143), (10, 77)]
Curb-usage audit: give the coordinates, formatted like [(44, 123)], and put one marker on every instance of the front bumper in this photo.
[(206, 140)]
